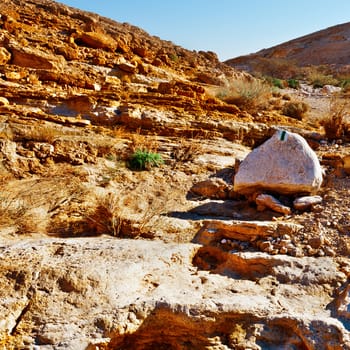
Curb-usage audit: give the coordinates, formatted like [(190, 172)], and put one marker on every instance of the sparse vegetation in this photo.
[(334, 122), (293, 83), (145, 160), (295, 109), (249, 95)]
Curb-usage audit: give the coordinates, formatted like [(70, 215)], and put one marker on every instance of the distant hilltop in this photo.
[(329, 46)]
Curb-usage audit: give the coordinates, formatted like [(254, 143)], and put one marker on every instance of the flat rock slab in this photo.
[(214, 230), (90, 293)]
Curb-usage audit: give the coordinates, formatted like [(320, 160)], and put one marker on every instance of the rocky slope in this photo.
[(95, 255), (325, 47)]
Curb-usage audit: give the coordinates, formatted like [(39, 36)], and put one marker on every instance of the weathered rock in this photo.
[(214, 188), (268, 201), (342, 303), (34, 58), (242, 230), (283, 164), (4, 101), (306, 202), (88, 292), (5, 56), (97, 40), (127, 67)]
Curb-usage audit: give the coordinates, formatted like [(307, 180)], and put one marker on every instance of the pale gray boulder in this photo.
[(284, 164)]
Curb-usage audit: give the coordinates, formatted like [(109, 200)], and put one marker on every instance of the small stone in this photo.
[(266, 246), (283, 250), (285, 242), (271, 202), (306, 202), (316, 242), (329, 251)]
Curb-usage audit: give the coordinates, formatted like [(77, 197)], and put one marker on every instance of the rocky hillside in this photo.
[(325, 47), (121, 223)]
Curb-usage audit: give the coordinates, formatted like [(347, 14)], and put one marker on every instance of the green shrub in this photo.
[(295, 109), (293, 83), (145, 160), (345, 85)]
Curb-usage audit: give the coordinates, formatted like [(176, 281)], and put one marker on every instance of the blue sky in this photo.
[(228, 27)]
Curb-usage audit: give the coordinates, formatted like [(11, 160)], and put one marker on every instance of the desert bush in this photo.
[(38, 134), (108, 216), (319, 76), (295, 109), (186, 151), (334, 122), (145, 160), (345, 85), (293, 83), (249, 95), (275, 82)]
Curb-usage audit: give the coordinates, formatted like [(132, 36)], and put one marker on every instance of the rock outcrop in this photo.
[(111, 294)]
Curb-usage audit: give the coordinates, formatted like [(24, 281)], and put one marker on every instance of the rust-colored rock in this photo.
[(34, 58), (5, 56), (96, 40)]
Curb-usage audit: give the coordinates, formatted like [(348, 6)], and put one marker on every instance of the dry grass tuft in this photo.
[(335, 123), (250, 95), (44, 133), (295, 109)]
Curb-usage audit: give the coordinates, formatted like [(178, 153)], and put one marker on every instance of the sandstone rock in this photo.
[(214, 188), (284, 164), (34, 58), (5, 56), (4, 101), (127, 67), (306, 202), (268, 201), (97, 40)]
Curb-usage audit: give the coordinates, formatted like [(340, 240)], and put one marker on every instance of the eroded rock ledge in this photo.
[(137, 294)]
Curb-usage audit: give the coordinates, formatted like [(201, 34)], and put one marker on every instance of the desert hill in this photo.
[(329, 46), (120, 223)]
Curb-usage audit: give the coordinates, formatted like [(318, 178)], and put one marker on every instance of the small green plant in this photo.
[(293, 83), (145, 160), (295, 109)]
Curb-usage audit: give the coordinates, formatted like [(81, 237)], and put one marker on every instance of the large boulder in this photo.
[(284, 164)]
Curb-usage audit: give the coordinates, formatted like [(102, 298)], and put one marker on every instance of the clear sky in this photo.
[(228, 27)]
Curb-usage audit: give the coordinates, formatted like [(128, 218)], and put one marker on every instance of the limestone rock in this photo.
[(268, 201), (284, 164), (306, 202), (90, 293), (213, 230), (215, 188)]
